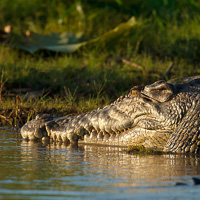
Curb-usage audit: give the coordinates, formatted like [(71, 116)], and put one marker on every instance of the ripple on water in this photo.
[(37, 171)]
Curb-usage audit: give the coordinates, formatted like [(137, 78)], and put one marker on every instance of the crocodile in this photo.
[(163, 115)]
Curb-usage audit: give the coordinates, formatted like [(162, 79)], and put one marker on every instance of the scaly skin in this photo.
[(163, 115)]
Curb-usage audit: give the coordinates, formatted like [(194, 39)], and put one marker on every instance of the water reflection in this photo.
[(43, 171), (91, 160)]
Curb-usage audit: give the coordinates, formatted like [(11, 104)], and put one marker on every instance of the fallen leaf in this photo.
[(65, 42)]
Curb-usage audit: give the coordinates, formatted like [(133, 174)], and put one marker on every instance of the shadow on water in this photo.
[(30, 170)]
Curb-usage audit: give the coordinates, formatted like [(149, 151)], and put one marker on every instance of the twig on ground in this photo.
[(6, 119), (123, 60), (169, 68)]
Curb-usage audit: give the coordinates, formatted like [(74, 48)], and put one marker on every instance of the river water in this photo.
[(31, 170)]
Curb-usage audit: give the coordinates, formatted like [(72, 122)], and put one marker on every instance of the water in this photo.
[(36, 171)]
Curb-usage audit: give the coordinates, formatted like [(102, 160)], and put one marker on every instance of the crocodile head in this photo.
[(163, 115)]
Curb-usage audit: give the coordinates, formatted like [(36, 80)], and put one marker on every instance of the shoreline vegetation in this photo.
[(164, 43)]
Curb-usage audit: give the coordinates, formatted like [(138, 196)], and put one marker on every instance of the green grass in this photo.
[(93, 76)]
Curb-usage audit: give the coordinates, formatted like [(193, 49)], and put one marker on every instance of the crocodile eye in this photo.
[(159, 82), (133, 92), (136, 90)]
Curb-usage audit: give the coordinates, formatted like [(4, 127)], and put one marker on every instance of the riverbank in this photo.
[(162, 44), (68, 85), (17, 110)]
